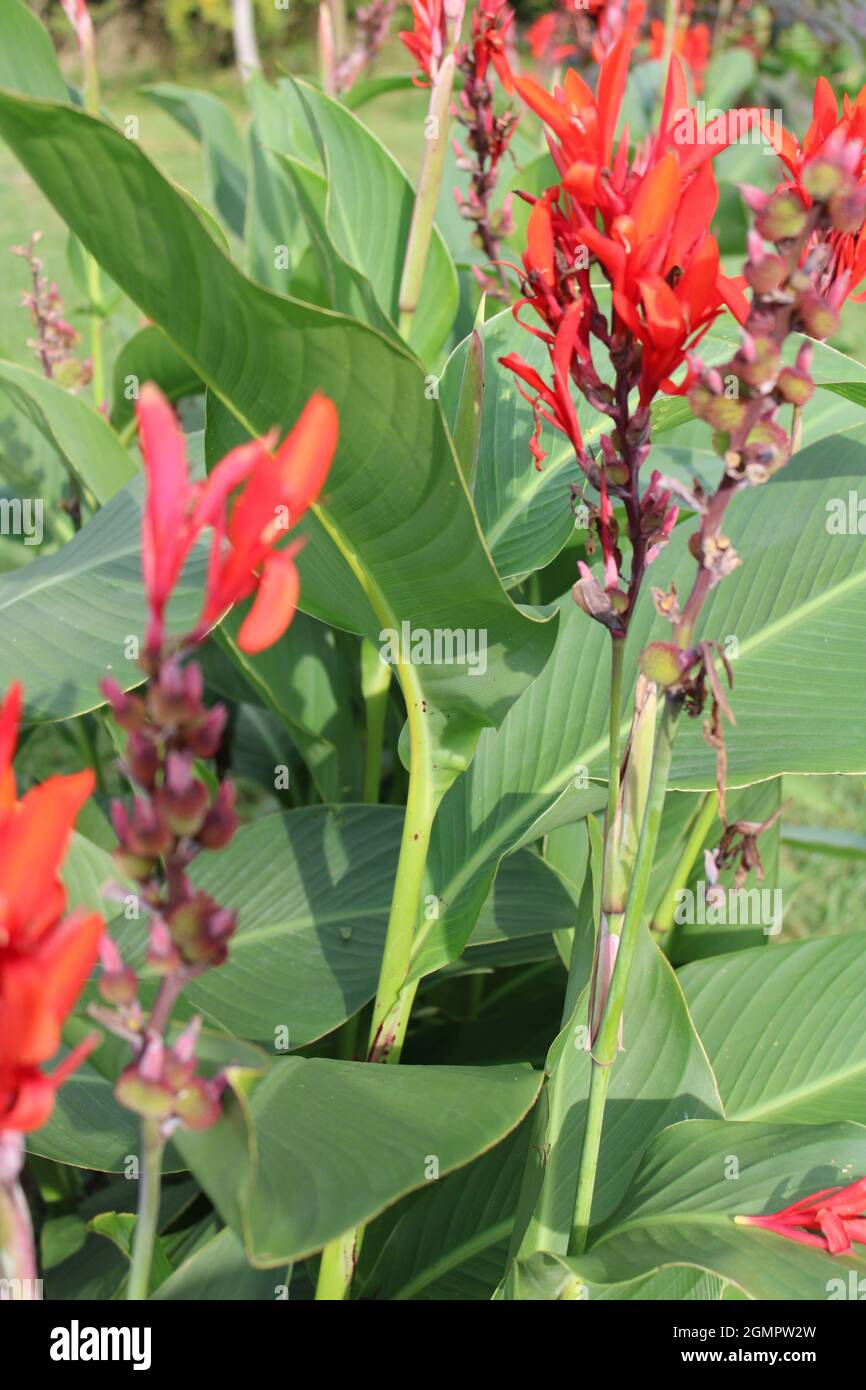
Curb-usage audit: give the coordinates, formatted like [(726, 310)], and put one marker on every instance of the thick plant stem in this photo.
[(663, 921), (616, 655), (336, 1269), (393, 996), (605, 1046), (375, 684), (427, 194), (152, 1145)]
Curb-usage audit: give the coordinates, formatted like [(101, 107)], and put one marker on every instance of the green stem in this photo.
[(375, 684), (152, 1146), (393, 996), (91, 266), (616, 655), (663, 920), (97, 356), (605, 1047), (336, 1269), (427, 194)]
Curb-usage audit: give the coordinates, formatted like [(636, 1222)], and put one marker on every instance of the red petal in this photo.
[(274, 605), (306, 453)]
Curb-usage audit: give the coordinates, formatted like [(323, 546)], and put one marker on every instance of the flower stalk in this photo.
[(144, 1241)]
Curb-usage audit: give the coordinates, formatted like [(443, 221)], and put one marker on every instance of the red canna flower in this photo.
[(544, 42), (276, 490), (427, 39), (645, 220), (45, 957), (492, 22), (612, 17), (830, 1219), (691, 41)]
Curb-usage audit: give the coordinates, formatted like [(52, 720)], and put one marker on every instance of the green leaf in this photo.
[(338, 1142), (525, 513), (66, 618), (342, 287), (27, 60), (149, 356), (822, 839), (661, 1076), (217, 1270), (119, 1228), (854, 391), (81, 436), (208, 120), (368, 189), (313, 889), (450, 1243), (279, 126), (728, 77), (370, 88), (680, 1207), (417, 555), (809, 990)]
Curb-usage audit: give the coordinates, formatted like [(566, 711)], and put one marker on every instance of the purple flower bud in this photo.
[(221, 822)]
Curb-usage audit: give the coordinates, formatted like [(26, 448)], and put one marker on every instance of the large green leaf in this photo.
[(451, 1242), (395, 508), (800, 1053), (217, 1270), (27, 60), (799, 669), (279, 126), (338, 1142), (313, 890), (66, 619), (81, 436), (368, 190), (698, 1176), (208, 120)]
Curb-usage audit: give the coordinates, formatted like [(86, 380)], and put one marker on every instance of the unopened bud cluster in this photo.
[(798, 286), (488, 135), (55, 339), (172, 817)]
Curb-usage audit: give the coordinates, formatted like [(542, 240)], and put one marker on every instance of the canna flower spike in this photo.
[(45, 956), (273, 492), (831, 1219)]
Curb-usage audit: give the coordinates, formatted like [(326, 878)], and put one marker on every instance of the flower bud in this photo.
[(758, 361), (794, 386), (182, 800), (784, 217), (847, 209), (822, 178), (818, 318), (117, 984), (663, 663), (221, 822), (127, 710)]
